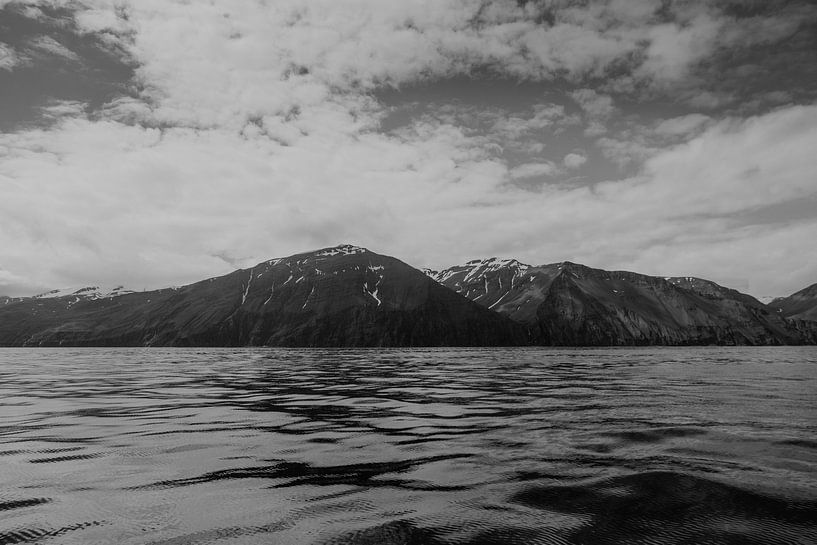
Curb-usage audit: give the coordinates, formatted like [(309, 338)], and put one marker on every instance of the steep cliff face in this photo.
[(341, 296), (801, 305), (570, 304)]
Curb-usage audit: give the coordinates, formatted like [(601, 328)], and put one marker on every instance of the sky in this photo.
[(153, 143)]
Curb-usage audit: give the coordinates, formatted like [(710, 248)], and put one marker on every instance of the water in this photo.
[(448, 446)]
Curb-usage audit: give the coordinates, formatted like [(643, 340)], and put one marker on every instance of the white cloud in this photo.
[(594, 104), (631, 148), (577, 50), (574, 160), (47, 44), (543, 116), (532, 170), (63, 108), (494, 130), (738, 165), (8, 57), (256, 137), (674, 48), (597, 108), (229, 61), (769, 259), (108, 202)]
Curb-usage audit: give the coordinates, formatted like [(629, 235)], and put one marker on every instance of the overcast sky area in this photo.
[(157, 142)]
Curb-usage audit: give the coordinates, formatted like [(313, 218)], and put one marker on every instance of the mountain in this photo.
[(571, 304), (341, 296), (73, 295), (349, 296), (798, 306), (88, 292)]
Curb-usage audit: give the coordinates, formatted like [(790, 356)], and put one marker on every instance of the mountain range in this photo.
[(568, 304), (349, 296)]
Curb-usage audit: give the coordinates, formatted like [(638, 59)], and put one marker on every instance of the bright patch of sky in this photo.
[(157, 142)]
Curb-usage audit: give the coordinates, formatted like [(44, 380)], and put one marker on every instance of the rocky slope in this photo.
[(341, 296), (801, 305), (570, 304), (349, 296)]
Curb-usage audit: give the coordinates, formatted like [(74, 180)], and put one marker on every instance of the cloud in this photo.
[(682, 125), (63, 108), (149, 206), (709, 100), (514, 136), (263, 59), (12, 283), (532, 170), (543, 116), (574, 160), (254, 132), (674, 48), (742, 163), (8, 57), (128, 110), (576, 50), (597, 108), (594, 104), (50, 46), (630, 149)]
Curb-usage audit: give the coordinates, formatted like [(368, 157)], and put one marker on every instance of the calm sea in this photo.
[(431, 446)]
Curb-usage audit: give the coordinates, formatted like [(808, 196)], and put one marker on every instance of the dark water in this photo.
[(703, 446)]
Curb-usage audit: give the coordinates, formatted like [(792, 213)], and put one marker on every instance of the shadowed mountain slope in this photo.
[(570, 304), (801, 305), (341, 296)]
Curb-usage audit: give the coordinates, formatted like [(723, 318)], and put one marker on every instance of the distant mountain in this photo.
[(88, 292), (798, 306), (570, 304), (341, 296), (349, 296), (72, 295)]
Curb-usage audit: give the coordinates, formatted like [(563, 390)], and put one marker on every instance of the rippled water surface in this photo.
[(448, 446)]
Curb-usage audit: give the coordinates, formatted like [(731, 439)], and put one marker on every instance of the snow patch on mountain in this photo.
[(343, 249), (88, 292), (247, 288), (475, 268)]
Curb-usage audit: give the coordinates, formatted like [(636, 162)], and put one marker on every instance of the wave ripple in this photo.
[(424, 446)]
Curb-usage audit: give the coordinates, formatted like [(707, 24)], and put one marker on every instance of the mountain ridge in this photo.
[(800, 305), (339, 296), (573, 304), (346, 295)]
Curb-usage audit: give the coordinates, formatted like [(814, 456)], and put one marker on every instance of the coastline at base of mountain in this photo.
[(348, 296)]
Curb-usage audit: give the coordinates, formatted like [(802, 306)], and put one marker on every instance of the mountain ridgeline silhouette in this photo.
[(567, 304), (347, 296)]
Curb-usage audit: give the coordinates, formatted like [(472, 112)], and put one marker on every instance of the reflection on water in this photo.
[(446, 446)]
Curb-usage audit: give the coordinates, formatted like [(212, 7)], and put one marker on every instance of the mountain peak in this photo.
[(494, 263), (576, 269), (341, 249), (571, 265)]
